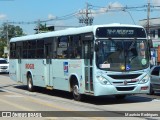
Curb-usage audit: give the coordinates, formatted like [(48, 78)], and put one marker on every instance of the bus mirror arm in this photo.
[(150, 43), (96, 47)]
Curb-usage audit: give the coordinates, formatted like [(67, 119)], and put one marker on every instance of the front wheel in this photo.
[(30, 83), (151, 91), (76, 94)]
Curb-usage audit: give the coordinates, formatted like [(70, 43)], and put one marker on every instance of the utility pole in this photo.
[(148, 17), (38, 28), (7, 35), (86, 20), (7, 38)]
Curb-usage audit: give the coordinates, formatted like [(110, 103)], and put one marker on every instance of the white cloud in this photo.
[(2, 16), (110, 6), (103, 10), (156, 2), (115, 5), (50, 16)]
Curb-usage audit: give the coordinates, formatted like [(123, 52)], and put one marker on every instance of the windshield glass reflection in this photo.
[(122, 55)]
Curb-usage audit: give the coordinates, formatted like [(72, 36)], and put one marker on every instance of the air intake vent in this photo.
[(127, 76), (125, 88)]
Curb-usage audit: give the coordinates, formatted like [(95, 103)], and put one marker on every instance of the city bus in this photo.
[(98, 60)]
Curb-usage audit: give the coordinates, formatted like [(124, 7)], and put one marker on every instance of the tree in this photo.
[(2, 45), (41, 28), (8, 31)]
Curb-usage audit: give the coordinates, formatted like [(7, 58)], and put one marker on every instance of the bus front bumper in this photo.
[(100, 89)]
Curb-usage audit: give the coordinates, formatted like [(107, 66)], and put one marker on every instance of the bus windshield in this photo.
[(122, 54)]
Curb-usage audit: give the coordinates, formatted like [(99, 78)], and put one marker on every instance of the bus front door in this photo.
[(88, 60), (19, 67), (48, 66)]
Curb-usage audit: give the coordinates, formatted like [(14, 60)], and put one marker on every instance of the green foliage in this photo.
[(41, 28), (11, 30), (2, 45), (8, 31)]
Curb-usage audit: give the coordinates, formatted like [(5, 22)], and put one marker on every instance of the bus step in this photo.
[(89, 92), (49, 87), (20, 82)]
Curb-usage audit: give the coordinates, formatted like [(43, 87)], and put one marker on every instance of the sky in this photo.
[(65, 12)]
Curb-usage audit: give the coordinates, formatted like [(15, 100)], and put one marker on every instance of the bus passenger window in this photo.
[(62, 47), (75, 47), (40, 49)]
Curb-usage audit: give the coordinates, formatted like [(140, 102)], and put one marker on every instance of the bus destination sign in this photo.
[(119, 32)]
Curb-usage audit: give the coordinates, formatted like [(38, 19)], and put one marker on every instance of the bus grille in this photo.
[(125, 88), (3, 67), (126, 76), (122, 82)]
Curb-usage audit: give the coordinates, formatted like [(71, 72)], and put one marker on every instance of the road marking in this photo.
[(30, 97), (30, 93), (42, 102), (16, 105), (14, 96)]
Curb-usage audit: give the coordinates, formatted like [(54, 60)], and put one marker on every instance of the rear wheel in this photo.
[(75, 90), (30, 83)]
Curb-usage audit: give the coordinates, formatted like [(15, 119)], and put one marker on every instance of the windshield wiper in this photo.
[(132, 44)]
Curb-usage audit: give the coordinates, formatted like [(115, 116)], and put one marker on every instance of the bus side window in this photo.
[(32, 49), (25, 52), (40, 49), (74, 49), (54, 52), (12, 50), (79, 47), (62, 47)]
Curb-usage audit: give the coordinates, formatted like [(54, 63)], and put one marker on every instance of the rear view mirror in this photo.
[(150, 43), (96, 47)]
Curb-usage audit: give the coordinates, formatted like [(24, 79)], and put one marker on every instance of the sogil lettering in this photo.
[(29, 66)]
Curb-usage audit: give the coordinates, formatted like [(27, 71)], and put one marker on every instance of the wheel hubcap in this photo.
[(76, 90), (29, 83)]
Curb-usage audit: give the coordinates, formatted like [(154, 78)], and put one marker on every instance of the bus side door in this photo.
[(88, 60), (48, 62), (19, 62)]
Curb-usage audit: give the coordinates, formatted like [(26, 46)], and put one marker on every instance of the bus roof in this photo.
[(69, 31)]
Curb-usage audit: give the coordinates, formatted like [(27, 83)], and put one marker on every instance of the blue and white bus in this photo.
[(111, 59)]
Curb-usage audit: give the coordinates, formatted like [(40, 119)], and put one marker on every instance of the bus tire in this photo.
[(30, 83), (151, 91), (120, 97), (75, 90)]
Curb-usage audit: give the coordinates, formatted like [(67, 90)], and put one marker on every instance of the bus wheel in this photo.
[(151, 91), (120, 97), (30, 83), (76, 95)]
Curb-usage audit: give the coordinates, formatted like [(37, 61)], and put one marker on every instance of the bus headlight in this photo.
[(144, 80), (103, 80)]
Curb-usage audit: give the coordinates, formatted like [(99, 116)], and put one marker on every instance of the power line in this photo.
[(66, 17), (85, 15), (87, 20)]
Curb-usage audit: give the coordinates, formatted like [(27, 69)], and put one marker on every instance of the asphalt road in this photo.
[(15, 97)]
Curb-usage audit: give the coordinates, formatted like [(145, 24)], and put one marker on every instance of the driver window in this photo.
[(142, 49)]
